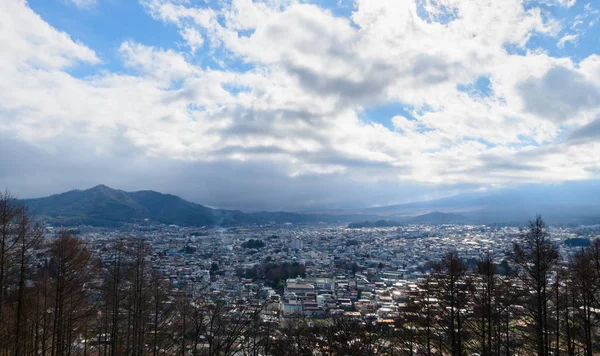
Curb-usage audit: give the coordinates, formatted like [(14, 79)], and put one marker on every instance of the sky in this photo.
[(298, 104)]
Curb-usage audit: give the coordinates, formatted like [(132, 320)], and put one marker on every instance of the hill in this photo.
[(437, 218), (104, 206), (378, 223)]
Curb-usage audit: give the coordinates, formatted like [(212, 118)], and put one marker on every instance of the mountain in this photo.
[(104, 206), (437, 218), (378, 223), (565, 203)]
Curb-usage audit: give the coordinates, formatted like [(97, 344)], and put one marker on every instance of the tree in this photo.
[(28, 237), (162, 312), (10, 211), (253, 243), (113, 273), (297, 339), (452, 294), (584, 287), (536, 259), (138, 281), (71, 268), (485, 308), (425, 315)]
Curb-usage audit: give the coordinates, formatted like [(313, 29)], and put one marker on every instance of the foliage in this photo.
[(273, 273), (253, 243), (577, 242)]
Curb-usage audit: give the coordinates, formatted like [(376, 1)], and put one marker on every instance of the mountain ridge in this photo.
[(433, 218), (568, 203), (439, 218), (105, 206)]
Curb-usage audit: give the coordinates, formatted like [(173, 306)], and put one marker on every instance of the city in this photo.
[(299, 177), (316, 276)]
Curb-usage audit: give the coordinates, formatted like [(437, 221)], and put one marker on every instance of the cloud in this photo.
[(83, 4), (586, 133), (284, 112), (565, 3), (561, 94), (161, 65), (30, 43), (572, 38), (264, 185), (193, 38)]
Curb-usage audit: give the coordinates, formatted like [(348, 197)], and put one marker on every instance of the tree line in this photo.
[(59, 298)]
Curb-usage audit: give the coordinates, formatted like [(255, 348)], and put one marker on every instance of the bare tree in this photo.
[(584, 290), (138, 281), (296, 338), (71, 268), (28, 237), (452, 294), (485, 308), (536, 259), (10, 211), (162, 313), (113, 273)]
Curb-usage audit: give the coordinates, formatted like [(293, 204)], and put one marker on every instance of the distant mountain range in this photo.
[(566, 203), (104, 206), (434, 218), (573, 203), (437, 218)]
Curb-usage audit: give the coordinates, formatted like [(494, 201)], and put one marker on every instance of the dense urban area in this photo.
[(284, 289)]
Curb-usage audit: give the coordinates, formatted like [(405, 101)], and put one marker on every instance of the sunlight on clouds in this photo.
[(30, 43), (308, 76)]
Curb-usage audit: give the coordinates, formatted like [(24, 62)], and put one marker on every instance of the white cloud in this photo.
[(193, 38), (29, 42), (566, 3), (570, 38), (83, 4), (403, 124), (301, 105), (161, 65)]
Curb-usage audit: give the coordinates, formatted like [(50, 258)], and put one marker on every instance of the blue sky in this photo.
[(104, 25), (393, 100)]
